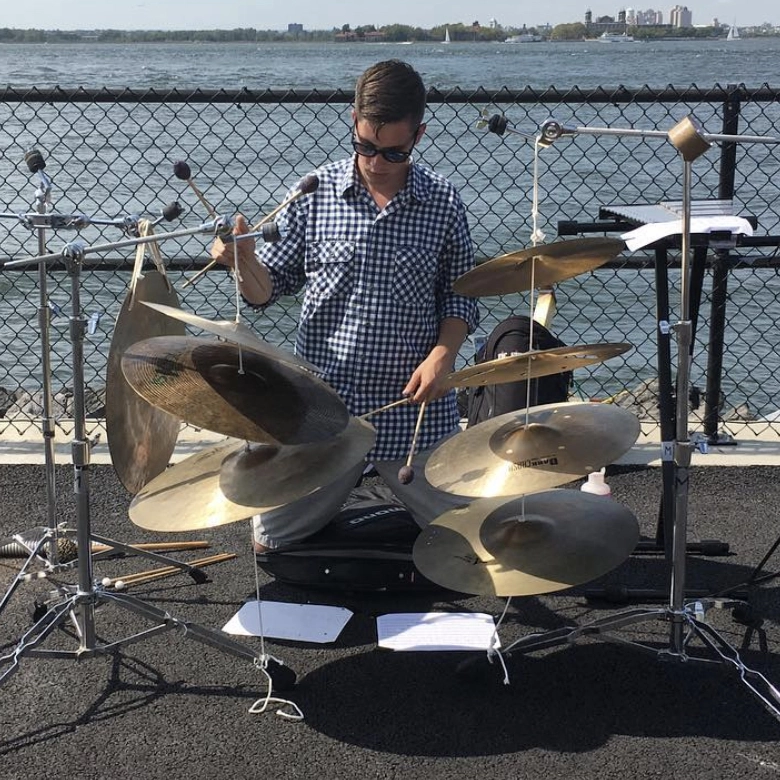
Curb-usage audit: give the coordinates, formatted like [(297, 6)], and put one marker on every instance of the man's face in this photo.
[(373, 145)]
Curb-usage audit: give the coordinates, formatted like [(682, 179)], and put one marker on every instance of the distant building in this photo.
[(649, 17), (680, 16), (628, 17), (295, 29)]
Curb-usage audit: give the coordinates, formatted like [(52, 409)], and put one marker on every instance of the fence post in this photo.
[(720, 271)]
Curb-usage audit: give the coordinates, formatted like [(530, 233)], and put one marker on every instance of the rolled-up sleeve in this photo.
[(457, 259)]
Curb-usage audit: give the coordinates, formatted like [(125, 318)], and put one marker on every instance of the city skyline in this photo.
[(314, 15)]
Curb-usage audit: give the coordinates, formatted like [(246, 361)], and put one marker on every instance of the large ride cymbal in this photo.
[(234, 391), (526, 545), (530, 450), (531, 365), (141, 437), (539, 266), (235, 332), (235, 480)]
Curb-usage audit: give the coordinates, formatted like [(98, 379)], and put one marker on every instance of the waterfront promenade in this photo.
[(172, 708)]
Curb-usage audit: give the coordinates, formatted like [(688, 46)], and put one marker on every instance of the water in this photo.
[(336, 66), (494, 176)]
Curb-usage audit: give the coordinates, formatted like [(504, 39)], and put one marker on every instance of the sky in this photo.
[(321, 14)]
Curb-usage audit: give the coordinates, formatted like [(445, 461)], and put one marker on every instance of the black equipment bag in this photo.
[(512, 336), (366, 547)]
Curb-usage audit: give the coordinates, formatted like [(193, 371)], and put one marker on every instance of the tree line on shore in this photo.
[(392, 33)]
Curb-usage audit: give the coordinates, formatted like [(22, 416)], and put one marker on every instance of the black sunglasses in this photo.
[(392, 155)]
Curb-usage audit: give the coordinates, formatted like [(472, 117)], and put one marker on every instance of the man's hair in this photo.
[(390, 91)]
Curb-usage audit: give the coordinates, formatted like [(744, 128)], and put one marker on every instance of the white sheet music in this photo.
[(278, 620), (437, 631), (647, 234)]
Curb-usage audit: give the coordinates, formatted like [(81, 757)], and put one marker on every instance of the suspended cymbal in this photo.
[(141, 437), (236, 392), (530, 450), (552, 263), (530, 365), (235, 332), (526, 545), (233, 481)]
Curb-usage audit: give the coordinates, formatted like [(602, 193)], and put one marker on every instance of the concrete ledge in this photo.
[(754, 445)]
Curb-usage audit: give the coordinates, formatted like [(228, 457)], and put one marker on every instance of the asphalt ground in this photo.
[(167, 706)]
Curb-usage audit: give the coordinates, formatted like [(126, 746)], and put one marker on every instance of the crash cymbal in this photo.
[(235, 332), (235, 480), (530, 365), (141, 437), (526, 545), (552, 263), (234, 391), (530, 450)]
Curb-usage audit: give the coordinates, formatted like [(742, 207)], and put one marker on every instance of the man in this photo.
[(375, 249)]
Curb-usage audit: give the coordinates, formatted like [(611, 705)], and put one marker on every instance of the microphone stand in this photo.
[(79, 602), (686, 619)]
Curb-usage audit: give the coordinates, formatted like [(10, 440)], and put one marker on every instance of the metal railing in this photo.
[(111, 153)]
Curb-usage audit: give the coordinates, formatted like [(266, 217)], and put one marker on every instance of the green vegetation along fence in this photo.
[(110, 154)]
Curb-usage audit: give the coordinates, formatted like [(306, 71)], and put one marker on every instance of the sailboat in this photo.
[(733, 33), (446, 35)]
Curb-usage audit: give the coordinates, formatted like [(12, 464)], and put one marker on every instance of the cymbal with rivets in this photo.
[(234, 391), (539, 266), (526, 545), (532, 449)]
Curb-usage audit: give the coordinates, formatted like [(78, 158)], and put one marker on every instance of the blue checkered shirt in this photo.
[(376, 286)]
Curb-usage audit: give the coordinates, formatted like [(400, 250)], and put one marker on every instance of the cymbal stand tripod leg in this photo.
[(80, 601)]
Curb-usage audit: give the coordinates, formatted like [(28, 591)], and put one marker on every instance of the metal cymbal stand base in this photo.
[(68, 608), (79, 602), (690, 617)]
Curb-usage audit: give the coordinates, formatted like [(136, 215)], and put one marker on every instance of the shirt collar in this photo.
[(417, 187)]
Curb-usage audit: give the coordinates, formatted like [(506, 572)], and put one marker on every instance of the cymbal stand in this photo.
[(686, 620), (78, 603), (43, 543)]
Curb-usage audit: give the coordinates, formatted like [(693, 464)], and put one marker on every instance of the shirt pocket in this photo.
[(329, 270), (414, 275)]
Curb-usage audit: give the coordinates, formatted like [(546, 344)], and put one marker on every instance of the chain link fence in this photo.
[(110, 153)]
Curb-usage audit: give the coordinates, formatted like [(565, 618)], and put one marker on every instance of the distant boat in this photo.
[(446, 35), (733, 33), (524, 38), (608, 37)]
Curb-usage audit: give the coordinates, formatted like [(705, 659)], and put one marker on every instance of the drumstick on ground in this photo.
[(158, 546), (119, 583)]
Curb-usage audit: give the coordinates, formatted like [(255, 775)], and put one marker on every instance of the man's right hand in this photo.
[(254, 281), (224, 253)]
